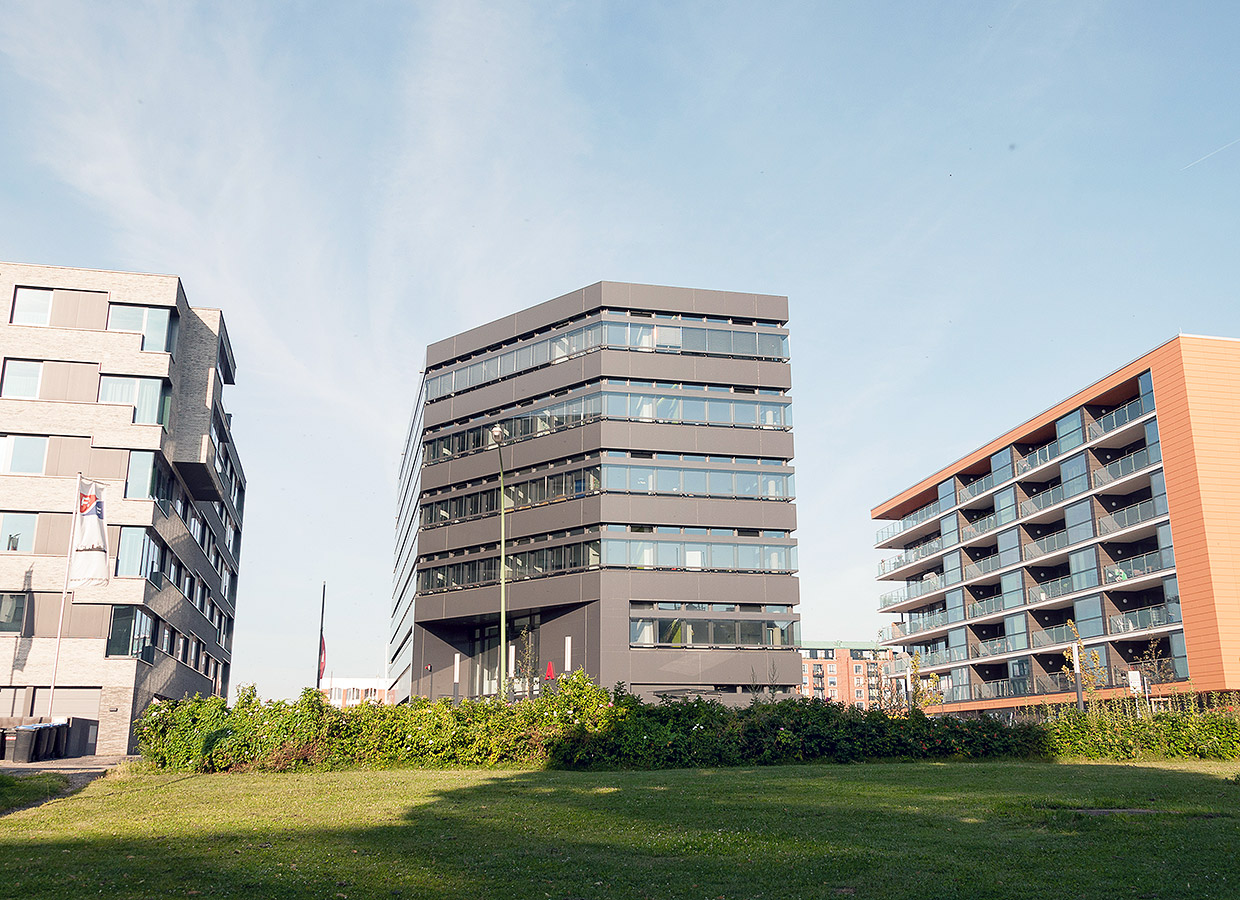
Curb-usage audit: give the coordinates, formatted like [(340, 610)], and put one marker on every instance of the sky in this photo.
[(975, 209)]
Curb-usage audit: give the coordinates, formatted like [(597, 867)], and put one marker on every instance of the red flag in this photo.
[(322, 656), (550, 671)]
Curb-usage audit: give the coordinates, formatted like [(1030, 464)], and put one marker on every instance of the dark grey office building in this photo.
[(646, 446)]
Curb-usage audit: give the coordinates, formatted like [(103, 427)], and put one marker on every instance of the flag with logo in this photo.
[(88, 552)]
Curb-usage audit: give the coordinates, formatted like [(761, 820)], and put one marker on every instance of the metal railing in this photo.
[(1146, 563), (1118, 417), (972, 489), (1057, 494), (1056, 634), (1007, 687), (995, 604), (912, 520), (1047, 590), (1140, 619), (1055, 541), (1127, 517), (911, 555), (1126, 465), (911, 591), (997, 646)]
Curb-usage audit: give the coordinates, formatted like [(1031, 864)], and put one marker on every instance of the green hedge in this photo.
[(1183, 726), (576, 724)]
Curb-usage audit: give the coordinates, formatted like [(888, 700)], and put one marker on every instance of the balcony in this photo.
[(981, 567), (1057, 494), (912, 520), (999, 646), (994, 604), (1141, 619), (909, 556), (1119, 417), (969, 491), (1128, 516), (1126, 465), (1145, 564), (1056, 634), (911, 591), (1007, 687), (986, 524), (1048, 590), (1044, 545)]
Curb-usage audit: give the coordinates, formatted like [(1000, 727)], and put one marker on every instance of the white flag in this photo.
[(88, 553)]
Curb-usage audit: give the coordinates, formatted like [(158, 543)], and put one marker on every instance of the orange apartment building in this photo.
[(1114, 515), (851, 674)]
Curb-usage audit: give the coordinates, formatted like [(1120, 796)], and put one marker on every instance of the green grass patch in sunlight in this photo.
[(900, 830)]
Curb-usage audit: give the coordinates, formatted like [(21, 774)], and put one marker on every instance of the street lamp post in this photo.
[(497, 435)]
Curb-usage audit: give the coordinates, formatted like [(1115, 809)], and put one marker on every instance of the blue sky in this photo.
[(974, 208)]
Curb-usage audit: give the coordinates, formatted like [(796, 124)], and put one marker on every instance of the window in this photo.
[(12, 612), (156, 324), (32, 306), (17, 532), (22, 454), (21, 379), (857, 670), (831, 669), (150, 397), (858, 695)]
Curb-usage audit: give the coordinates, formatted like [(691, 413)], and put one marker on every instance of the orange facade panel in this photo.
[(1198, 401)]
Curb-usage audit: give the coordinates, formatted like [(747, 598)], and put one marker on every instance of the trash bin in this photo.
[(60, 739), (24, 744)]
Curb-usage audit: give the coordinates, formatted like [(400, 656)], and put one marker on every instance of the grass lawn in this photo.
[(915, 830), (23, 789)]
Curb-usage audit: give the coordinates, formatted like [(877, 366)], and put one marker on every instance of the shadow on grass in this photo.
[(898, 830)]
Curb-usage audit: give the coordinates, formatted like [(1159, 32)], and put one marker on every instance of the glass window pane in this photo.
[(21, 379), (31, 306), (747, 484), (28, 456), (744, 343), (17, 532), (641, 479), (723, 556), (770, 346), (718, 341), (668, 481), (693, 339), (695, 482), (721, 484), (719, 412), (12, 612), (749, 557), (693, 410)]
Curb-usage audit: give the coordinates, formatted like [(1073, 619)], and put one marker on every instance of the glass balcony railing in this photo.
[(1129, 516), (1056, 634), (930, 658), (997, 646), (1048, 590), (1126, 465), (912, 520), (1055, 541), (1140, 619), (911, 555), (987, 523), (977, 487), (911, 591), (1007, 687), (1154, 561), (995, 604), (981, 567), (1119, 417), (1057, 494), (1054, 683)]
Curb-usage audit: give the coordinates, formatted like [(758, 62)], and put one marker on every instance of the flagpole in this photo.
[(318, 678), (64, 597)]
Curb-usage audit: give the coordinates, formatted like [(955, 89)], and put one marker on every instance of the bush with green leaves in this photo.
[(572, 724)]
